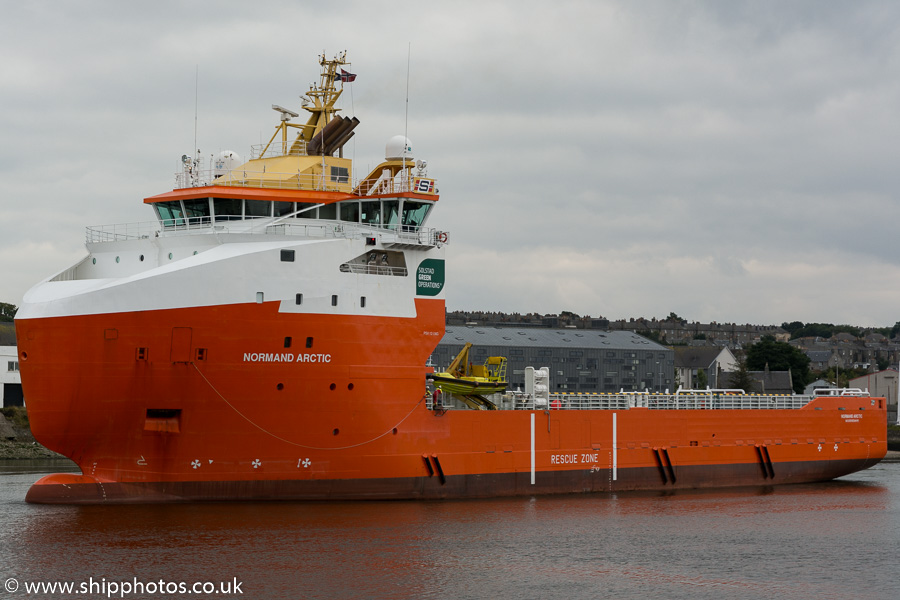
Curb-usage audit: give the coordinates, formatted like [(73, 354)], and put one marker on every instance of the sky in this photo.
[(726, 161)]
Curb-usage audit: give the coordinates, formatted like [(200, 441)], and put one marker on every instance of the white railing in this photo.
[(840, 392), (281, 148), (122, 231), (422, 236), (627, 401), (294, 181), (365, 269), (260, 179), (391, 234)]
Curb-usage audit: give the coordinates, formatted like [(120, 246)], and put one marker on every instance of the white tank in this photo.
[(225, 162), (398, 148)]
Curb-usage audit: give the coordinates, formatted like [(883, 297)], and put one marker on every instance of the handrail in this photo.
[(391, 234), (364, 269), (400, 183), (651, 401)]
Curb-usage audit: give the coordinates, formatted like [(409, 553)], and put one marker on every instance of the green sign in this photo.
[(430, 277)]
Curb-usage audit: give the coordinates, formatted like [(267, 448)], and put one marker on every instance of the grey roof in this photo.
[(696, 357), (548, 338), (818, 355), (768, 382)]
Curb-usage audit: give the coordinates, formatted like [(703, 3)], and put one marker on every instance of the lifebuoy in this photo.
[(442, 237)]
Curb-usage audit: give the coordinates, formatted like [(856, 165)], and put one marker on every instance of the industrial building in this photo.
[(881, 383), (580, 360)]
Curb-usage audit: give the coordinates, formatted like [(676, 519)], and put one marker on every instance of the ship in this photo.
[(268, 335)]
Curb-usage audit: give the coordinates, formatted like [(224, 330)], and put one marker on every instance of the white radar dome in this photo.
[(398, 148), (226, 161)]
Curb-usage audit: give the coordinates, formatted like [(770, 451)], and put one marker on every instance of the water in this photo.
[(834, 540)]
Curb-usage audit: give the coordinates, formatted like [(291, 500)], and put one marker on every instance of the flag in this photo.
[(345, 76)]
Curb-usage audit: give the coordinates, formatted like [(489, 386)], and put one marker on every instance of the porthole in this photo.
[(280, 386), (195, 252), (350, 386), (117, 259), (170, 256), (336, 431), (94, 261), (332, 387), (142, 258)]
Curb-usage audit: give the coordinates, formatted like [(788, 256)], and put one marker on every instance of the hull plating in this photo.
[(242, 402)]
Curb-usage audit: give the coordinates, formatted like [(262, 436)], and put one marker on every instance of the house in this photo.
[(816, 385), (821, 360), (711, 360), (10, 380)]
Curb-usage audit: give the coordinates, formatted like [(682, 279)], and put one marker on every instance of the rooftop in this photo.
[(549, 338)]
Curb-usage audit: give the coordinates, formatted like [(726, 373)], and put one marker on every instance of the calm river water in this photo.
[(833, 540)]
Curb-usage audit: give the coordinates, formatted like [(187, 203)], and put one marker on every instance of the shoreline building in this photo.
[(881, 383), (585, 361), (10, 380)]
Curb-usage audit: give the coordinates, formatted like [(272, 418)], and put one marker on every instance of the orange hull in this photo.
[(208, 404)]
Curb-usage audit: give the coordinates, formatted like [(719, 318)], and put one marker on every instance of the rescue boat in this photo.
[(267, 336), (465, 379)]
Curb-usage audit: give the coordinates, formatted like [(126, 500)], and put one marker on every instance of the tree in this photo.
[(741, 379), (780, 356), (895, 330), (675, 318), (792, 327), (841, 377), (702, 380), (652, 335), (7, 312)]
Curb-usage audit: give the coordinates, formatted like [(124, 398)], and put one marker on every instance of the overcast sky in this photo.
[(728, 161)]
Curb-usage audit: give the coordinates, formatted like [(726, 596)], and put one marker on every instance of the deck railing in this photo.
[(295, 181), (391, 234), (627, 401)]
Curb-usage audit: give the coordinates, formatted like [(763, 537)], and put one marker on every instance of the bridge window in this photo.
[(308, 213), (170, 213), (414, 213), (228, 209), (258, 208), (371, 212), (197, 211), (283, 208), (329, 211), (350, 211), (391, 213)]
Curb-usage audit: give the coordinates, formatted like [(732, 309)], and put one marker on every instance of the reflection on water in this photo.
[(827, 540)]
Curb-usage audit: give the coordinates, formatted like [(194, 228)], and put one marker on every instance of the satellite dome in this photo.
[(398, 148), (225, 162)]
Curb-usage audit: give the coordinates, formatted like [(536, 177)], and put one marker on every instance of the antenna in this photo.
[(406, 116), (196, 102)]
